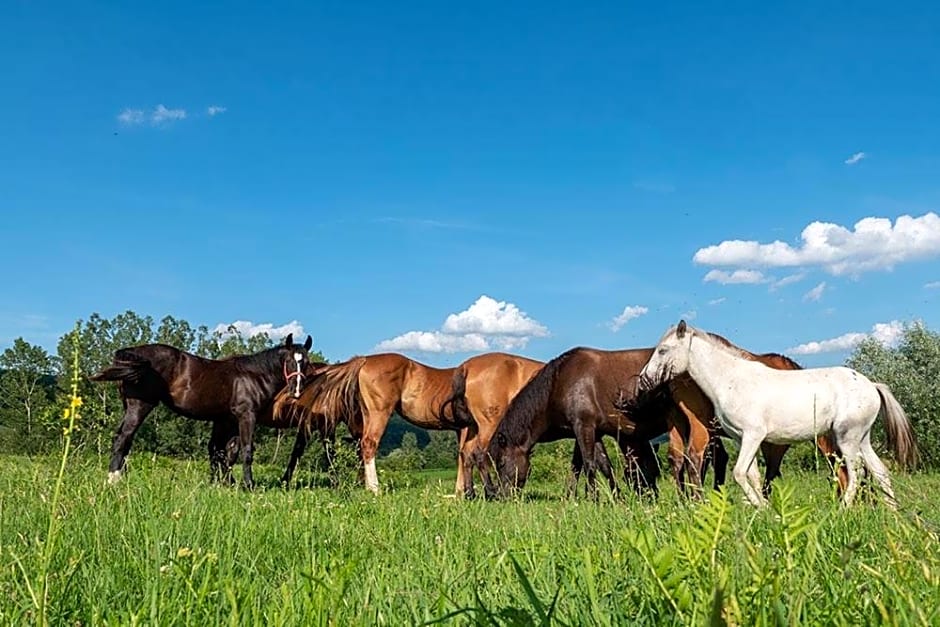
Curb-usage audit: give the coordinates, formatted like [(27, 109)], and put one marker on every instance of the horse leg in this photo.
[(604, 465), (219, 464), (677, 458), (135, 410), (773, 458), (649, 467), (696, 459), (577, 466), (376, 421), (466, 446), (719, 460), (877, 468), (750, 443), (828, 448), (584, 434), (851, 455), (300, 445), (246, 435)]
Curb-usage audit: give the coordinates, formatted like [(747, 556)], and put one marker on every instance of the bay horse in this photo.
[(696, 436), (576, 395), (232, 393), (364, 391), (755, 402)]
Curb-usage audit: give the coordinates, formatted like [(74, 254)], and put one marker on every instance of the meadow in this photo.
[(166, 547)]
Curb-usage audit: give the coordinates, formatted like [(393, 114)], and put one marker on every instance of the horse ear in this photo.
[(681, 329), (308, 344), (289, 340)]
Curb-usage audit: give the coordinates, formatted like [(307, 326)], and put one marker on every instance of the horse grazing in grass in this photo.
[(232, 393), (364, 392), (576, 395), (756, 403), (692, 440)]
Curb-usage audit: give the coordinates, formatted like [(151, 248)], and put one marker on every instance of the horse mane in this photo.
[(532, 400), (793, 365), (723, 341), (261, 363), (332, 393), (646, 404)]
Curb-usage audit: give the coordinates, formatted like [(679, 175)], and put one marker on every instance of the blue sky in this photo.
[(370, 169)]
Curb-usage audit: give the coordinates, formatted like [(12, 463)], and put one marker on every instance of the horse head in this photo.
[(295, 362), (670, 357)]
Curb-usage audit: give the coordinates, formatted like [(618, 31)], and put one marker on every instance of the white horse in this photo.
[(754, 403)]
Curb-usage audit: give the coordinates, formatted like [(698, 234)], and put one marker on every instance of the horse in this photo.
[(364, 391), (492, 386), (231, 393), (756, 403), (694, 439), (576, 395)]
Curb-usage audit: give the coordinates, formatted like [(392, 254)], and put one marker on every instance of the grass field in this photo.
[(164, 547)]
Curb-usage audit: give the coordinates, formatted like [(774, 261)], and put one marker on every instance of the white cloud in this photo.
[(717, 301), (162, 114), (886, 333), (689, 315), (932, 285), (629, 313), (858, 156), (485, 325), (488, 316), (816, 293), (159, 115), (131, 117), (788, 280), (215, 110), (873, 244), (738, 276), (247, 329)]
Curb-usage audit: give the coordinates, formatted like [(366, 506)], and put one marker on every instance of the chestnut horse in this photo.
[(232, 393), (576, 395), (364, 391), (697, 431)]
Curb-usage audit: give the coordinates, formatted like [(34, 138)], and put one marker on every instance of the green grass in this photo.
[(164, 547)]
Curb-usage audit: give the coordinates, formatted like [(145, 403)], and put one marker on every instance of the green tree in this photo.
[(912, 371), (27, 375), (441, 450)]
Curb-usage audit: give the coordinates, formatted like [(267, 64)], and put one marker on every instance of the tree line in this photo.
[(33, 386)]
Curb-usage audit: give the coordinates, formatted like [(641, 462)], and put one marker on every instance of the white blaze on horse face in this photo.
[(298, 357)]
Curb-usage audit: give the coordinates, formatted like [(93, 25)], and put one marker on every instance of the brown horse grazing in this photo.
[(232, 393), (364, 391), (697, 431), (481, 392), (575, 395)]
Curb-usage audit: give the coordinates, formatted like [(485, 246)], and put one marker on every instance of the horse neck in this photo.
[(709, 364)]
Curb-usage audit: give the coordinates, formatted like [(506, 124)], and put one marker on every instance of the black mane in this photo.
[(531, 400)]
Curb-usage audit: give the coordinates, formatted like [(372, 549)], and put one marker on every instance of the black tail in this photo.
[(532, 400), (126, 367), (457, 402)]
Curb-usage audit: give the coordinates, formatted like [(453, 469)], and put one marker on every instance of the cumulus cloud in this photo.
[(131, 117), (215, 110), (738, 276), (858, 156), (688, 316), (816, 293), (248, 329), (717, 301), (788, 280), (162, 114), (629, 313), (873, 244), (885, 333), (485, 325)]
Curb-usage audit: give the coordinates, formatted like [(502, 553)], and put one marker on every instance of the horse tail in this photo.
[(532, 400), (897, 427), (126, 366), (457, 401)]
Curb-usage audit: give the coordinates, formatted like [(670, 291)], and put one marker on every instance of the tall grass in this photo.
[(166, 547)]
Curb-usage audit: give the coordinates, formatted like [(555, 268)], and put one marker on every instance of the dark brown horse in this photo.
[(697, 432), (576, 395), (231, 393), (365, 391)]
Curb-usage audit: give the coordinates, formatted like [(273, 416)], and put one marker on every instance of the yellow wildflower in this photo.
[(184, 551), (76, 401)]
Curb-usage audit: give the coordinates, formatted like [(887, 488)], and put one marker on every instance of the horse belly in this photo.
[(800, 416)]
